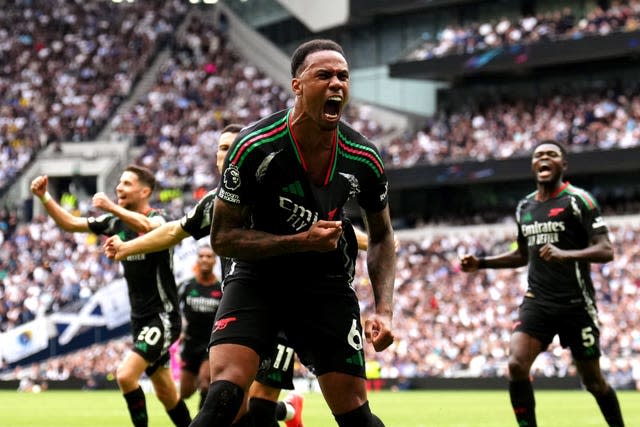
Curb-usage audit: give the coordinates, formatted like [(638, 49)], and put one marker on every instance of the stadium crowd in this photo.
[(205, 84), (591, 120), (552, 25), (447, 324), (66, 66), (45, 270)]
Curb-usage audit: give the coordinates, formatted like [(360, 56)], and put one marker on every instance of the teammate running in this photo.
[(560, 232), (155, 316)]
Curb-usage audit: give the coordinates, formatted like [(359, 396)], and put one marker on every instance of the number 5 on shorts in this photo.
[(587, 337)]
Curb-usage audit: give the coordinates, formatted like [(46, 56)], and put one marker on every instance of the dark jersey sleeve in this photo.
[(521, 239), (103, 225), (238, 176), (373, 193), (590, 215), (198, 221)]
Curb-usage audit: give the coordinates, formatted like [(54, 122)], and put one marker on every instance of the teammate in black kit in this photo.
[(199, 300), (560, 232), (155, 316), (264, 407), (279, 214)]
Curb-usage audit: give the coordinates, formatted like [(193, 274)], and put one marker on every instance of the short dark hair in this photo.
[(312, 46), (145, 176), (232, 127), (558, 144)]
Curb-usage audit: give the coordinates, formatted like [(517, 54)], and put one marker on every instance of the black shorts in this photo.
[(320, 319), (152, 337), (193, 353), (277, 370), (576, 326)]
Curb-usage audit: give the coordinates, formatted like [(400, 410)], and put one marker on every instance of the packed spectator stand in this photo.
[(67, 66), (559, 24), (587, 119)]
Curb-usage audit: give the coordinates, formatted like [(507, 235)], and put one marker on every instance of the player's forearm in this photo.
[(511, 259), (163, 237), (601, 252), (64, 219), (255, 245), (137, 221), (381, 264)]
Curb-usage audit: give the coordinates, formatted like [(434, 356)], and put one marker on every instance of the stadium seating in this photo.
[(67, 66)]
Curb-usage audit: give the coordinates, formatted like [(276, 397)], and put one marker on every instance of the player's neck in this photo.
[(206, 277), (550, 190), (143, 208), (308, 134)]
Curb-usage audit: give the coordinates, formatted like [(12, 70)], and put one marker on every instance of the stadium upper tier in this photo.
[(552, 25), (588, 119)]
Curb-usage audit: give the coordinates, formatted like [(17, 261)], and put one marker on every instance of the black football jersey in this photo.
[(150, 281), (197, 222), (567, 220), (265, 171), (199, 305)]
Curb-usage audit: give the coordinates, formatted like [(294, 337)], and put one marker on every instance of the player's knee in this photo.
[(596, 387), (126, 380), (221, 404), (517, 369), (359, 417), (187, 391)]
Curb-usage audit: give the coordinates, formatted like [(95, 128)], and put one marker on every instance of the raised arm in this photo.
[(381, 263), (230, 238), (62, 217), (163, 237), (137, 221)]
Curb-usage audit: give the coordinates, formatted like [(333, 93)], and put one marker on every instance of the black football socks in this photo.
[(523, 403), (137, 407)]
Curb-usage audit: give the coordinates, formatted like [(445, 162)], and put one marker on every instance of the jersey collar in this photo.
[(296, 148)]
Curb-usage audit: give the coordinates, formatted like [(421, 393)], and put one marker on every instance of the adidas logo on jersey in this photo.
[(294, 188)]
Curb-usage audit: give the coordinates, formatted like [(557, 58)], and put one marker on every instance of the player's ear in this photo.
[(146, 192), (296, 86)]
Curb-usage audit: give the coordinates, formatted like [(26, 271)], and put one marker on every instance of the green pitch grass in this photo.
[(399, 409)]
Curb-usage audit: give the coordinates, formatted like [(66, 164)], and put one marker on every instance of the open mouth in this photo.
[(332, 107), (544, 171)]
